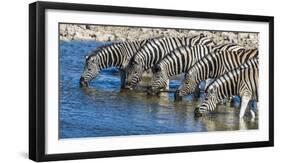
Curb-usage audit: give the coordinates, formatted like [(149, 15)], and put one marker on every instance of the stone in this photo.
[(112, 33)]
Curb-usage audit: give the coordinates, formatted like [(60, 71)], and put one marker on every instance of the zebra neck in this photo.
[(202, 75), (206, 68), (165, 71), (145, 65), (107, 60), (224, 91), (172, 70), (155, 51)]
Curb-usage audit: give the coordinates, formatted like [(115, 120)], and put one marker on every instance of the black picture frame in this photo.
[(37, 80)]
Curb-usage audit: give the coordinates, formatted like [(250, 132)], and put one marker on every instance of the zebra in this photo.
[(113, 55), (181, 59), (242, 81), (177, 62), (228, 47), (212, 66), (153, 51)]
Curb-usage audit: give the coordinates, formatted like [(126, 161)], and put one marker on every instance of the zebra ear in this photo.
[(213, 90), (202, 35), (186, 76), (135, 61), (192, 74), (92, 58), (86, 57), (124, 65), (142, 42), (241, 51)]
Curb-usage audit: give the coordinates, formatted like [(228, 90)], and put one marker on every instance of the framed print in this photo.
[(109, 81)]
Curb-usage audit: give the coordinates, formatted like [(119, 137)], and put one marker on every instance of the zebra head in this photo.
[(159, 80), (134, 72), (91, 70), (209, 103), (187, 86)]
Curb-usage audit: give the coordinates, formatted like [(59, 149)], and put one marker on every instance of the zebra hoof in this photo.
[(128, 87)]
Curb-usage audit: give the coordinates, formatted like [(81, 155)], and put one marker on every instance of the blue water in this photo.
[(104, 110)]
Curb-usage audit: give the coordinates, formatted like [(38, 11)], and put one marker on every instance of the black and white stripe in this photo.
[(228, 47), (213, 66), (242, 81), (155, 50), (177, 62), (114, 55)]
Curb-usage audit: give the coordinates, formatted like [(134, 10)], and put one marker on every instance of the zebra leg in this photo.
[(177, 96), (242, 124), (235, 101), (196, 94), (253, 109), (244, 103), (122, 78), (253, 114), (163, 93), (167, 84)]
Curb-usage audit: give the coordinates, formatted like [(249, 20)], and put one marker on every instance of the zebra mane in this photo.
[(247, 65), (169, 55), (100, 48), (251, 63), (157, 37)]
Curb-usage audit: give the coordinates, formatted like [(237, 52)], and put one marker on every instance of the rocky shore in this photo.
[(70, 32)]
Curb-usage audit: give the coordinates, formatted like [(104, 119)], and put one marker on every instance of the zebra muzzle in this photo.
[(199, 112), (83, 83)]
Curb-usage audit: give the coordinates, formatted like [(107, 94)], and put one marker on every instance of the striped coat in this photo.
[(242, 81), (213, 66), (114, 55), (177, 62), (154, 51), (181, 59)]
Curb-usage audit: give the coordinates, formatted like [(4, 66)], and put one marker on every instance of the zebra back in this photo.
[(213, 65), (181, 59), (116, 54), (156, 49), (217, 63), (228, 47), (198, 40)]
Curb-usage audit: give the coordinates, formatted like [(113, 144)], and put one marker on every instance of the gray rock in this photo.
[(111, 33)]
